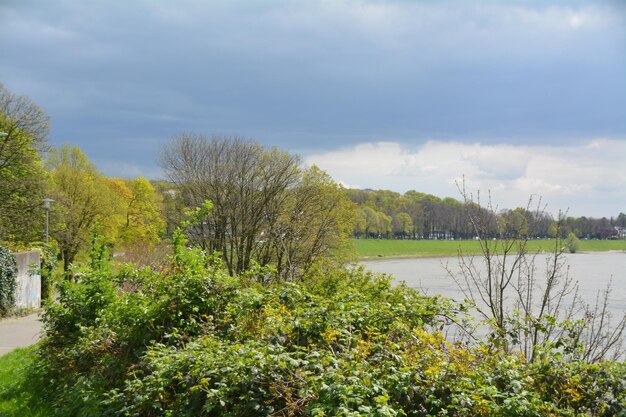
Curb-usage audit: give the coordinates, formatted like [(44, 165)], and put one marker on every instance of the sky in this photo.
[(520, 98)]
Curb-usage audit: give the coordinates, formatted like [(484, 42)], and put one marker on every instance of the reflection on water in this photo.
[(593, 271)]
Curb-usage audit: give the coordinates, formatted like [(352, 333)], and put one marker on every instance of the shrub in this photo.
[(8, 283), (192, 340), (572, 243)]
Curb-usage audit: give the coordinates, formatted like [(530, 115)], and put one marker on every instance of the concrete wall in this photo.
[(28, 289)]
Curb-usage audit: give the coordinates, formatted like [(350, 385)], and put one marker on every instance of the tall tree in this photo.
[(245, 183), (384, 224), (256, 192), (144, 222), (23, 134), (621, 220), (360, 222), (372, 226), (402, 224), (315, 221), (138, 215), (81, 196)]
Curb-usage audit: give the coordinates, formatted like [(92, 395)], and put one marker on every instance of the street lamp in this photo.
[(46, 205)]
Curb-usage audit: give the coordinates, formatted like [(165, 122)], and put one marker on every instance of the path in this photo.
[(19, 332)]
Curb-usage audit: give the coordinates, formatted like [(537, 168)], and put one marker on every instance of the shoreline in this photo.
[(443, 255)]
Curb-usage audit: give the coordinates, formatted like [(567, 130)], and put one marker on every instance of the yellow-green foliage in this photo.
[(136, 215)]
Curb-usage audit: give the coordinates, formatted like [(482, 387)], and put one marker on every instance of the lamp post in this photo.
[(46, 205)]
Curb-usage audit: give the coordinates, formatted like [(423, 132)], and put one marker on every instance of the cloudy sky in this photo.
[(520, 97)]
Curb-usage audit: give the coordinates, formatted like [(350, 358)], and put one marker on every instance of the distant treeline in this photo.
[(414, 215)]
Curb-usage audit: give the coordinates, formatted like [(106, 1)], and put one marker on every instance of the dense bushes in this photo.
[(8, 275), (193, 341)]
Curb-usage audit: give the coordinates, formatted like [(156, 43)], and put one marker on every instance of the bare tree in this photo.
[(528, 305), (262, 201), (24, 124)]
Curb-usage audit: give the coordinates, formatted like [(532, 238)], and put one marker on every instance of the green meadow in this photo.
[(376, 248), (20, 395)]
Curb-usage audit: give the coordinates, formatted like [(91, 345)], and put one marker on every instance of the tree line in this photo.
[(415, 215)]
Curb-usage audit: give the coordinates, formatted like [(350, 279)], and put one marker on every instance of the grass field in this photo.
[(16, 388), (374, 248)]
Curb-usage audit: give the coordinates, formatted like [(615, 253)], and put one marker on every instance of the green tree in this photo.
[(315, 221), (23, 134), (138, 209), (360, 221), (371, 221), (81, 196), (143, 219), (384, 224), (402, 224), (515, 223)]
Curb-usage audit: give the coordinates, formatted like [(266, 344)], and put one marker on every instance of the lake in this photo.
[(592, 271)]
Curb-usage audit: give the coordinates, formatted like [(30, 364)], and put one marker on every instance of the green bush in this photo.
[(572, 243), (193, 341), (8, 276)]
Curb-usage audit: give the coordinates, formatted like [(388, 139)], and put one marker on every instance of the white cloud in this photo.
[(589, 179)]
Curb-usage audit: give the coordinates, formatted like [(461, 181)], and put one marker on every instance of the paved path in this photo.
[(19, 332)]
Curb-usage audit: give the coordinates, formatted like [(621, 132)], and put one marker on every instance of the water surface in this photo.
[(593, 271)]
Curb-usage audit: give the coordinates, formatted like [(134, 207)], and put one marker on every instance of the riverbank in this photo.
[(384, 248)]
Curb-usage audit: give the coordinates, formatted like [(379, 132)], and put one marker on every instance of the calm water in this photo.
[(592, 271)]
